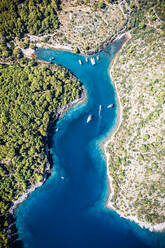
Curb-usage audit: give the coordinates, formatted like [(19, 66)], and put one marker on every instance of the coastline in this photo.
[(153, 228), (104, 144), (106, 141), (12, 229), (60, 114), (29, 52)]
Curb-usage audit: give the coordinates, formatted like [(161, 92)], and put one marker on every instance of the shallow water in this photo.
[(69, 210)]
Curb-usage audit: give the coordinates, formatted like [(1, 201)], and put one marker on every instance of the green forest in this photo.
[(18, 17), (31, 94), (30, 98)]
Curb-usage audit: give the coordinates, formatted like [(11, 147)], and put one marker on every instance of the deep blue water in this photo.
[(71, 212)]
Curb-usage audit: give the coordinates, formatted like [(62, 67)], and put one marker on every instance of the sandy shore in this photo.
[(29, 52), (154, 228), (56, 46)]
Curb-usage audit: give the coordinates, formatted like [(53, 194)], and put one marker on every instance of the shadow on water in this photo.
[(69, 211)]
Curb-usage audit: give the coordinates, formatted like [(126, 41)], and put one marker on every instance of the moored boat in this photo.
[(52, 58), (80, 62), (86, 59), (93, 62), (89, 118), (100, 107), (98, 57), (110, 106)]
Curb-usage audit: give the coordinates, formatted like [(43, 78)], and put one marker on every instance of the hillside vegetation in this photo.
[(31, 94), (18, 17), (137, 151), (30, 97)]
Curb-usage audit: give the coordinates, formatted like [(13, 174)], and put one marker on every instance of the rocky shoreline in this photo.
[(30, 52), (68, 47), (152, 227), (12, 229)]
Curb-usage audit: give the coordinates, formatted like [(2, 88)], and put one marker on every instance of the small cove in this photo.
[(69, 211)]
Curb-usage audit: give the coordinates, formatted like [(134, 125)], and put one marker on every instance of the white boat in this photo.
[(89, 118), (98, 57), (110, 106), (52, 58), (86, 59), (80, 62), (100, 107), (93, 61), (56, 129), (62, 178)]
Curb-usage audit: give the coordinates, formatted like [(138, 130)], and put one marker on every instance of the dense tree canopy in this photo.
[(30, 97), (33, 16)]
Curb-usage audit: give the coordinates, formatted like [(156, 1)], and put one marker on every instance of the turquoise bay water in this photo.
[(69, 210)]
